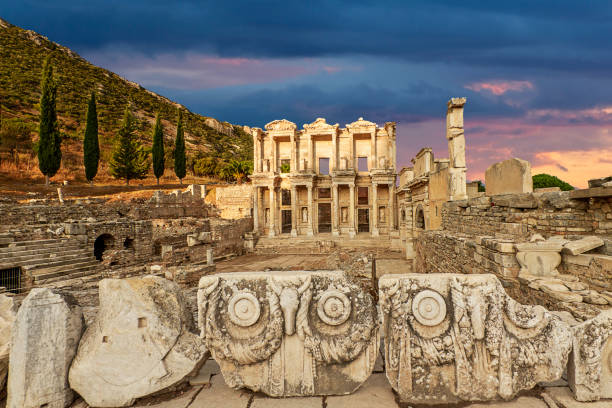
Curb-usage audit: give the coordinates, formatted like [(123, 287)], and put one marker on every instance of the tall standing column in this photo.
[(272, 231), (293, 165), (311, 164), (374, 215), (352, 230), (373, 156), (294, 211), (351, 159), (391, 208), (310, 230), (334, 155), (255, 209), (456, 149), (335, 211)]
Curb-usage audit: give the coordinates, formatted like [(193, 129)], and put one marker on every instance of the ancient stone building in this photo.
[(324, 179)]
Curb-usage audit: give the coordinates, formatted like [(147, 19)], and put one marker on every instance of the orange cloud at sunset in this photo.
[(500, 87), (581, 165)]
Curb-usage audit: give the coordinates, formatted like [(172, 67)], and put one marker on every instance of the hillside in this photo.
[(22, 53)]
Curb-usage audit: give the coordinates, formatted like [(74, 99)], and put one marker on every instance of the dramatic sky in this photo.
[(537, 74)]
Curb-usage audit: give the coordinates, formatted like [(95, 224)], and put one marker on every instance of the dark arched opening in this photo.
[(101, 244), (128, 243)]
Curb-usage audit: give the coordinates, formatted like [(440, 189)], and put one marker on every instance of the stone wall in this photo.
[(228, 235), (234, 201)]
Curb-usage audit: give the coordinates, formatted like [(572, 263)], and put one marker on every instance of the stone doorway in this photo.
[(101, 244), (363, 220), (324, 217), (286, 221)]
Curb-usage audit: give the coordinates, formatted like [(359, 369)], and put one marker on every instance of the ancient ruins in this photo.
[(326, 280)]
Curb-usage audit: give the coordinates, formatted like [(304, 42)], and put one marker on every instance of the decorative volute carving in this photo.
[(289, 333), (451, 338)]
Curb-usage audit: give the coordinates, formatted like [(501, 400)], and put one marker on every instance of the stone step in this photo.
[(15, 259), (52, 266), (37, 241), (74, 273), (56, 271), (35, 251)]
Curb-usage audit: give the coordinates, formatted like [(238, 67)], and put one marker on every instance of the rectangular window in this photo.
[(285, 197), (285, 166), (323, 165), (362, 195), (325, 193), (362, 164)]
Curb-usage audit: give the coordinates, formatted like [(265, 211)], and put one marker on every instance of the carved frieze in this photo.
[(289, 333), (321, 125), (452, 337), (281, 124), (361, 124)]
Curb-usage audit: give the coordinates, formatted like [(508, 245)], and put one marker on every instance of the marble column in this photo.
[(255, 209), (373, 155), (335, 211), (334, 156), (351, 164), (272, 231), (374, 211), (310, 229), (391, 208), (293, 165), (311, 164), (352, 229), (294, 211)]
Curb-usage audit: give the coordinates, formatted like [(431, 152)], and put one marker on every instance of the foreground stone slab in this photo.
[(589, 371), (376, 392), (564, 398), (220, 395), (7, 319), (289, 333), (451, 338), (139, 344), (512, 176), (43, 343)]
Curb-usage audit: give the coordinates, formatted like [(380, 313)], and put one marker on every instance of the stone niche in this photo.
[(589, 371), (451, 338), (289, 333)]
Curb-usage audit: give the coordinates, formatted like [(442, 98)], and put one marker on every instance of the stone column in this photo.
[(391, 208), (274, 166), (351, 159), (311, 165), (373, 156), (335, 211), (255, 209), (374, 215), (293, 163), (272, 231), (456, 149), (294, 211), (310, 230), (352, 229), (334, 156), (256, 155)]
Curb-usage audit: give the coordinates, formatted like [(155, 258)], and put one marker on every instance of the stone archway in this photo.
[(419, 218), (101, 244)]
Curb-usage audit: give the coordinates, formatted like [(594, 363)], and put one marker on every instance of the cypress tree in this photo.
[(179, 150), (129, 160), (91, 147), (49, 144), (158, 149)]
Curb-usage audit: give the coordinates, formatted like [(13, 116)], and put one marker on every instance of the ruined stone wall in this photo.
[(234, 201), (521, 215), (228, 235)]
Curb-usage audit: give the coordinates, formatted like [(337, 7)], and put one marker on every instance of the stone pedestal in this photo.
[(451, 338), (289, 333), (539, 258)]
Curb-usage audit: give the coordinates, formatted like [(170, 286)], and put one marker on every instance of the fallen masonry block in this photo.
[(589, 371), (289, 333), (139, 344), (45, 337), (7, 319), (582, 245), (451, 338)]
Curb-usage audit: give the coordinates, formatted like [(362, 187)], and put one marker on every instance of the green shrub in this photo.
[(546, 180)]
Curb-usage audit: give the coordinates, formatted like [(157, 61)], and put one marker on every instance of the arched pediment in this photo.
[(281, 124), (361, 124), (321, 124)]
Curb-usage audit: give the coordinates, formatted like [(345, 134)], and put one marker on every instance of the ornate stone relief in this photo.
[(289, 333), (321, 124), (361, 124), (460, 337), (281, 124), (589, 371)]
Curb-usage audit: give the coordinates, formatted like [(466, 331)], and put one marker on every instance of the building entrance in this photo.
[(324, 217), (286, 221), (363, 220)]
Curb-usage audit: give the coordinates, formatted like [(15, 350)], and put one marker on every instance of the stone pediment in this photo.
[(321, 125), (282, 124), (361, 124)]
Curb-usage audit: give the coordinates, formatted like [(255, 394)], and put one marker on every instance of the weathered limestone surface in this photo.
[(289, 333), (590, 366), (539, 257), (511, 176), (582, 245), (140, 343), (460, 337), (44, 341), (7, 319)]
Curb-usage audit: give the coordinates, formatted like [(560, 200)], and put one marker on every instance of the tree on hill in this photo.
[(15, 135), (179, 150), (129, 160), (158, 149), (546, 180), (91, 147), (236, 170), (49, 143)]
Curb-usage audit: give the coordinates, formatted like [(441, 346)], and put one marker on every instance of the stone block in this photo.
[(140, 343), (526, 200), (451, 338), (299, 333), (75, 229), (539, 258), (582, 245), (593, 183), (589, 372), (7, 319), (512, 176), (45, 336)]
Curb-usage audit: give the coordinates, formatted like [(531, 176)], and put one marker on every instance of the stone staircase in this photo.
[(48, 260), (320, 244)]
